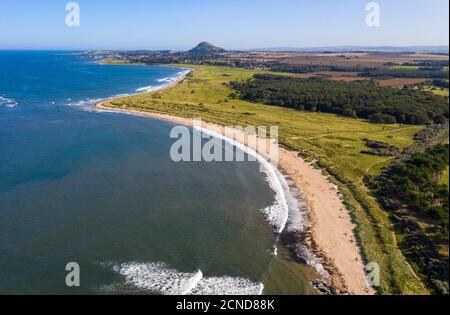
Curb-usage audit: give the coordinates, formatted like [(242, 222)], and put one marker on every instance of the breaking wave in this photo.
[(7, 102), (284, 213), (158, 278), (145, 89), (165, 82), (288, 214), (89, 104)]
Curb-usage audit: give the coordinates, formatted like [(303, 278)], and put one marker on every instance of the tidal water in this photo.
[(100, 189)]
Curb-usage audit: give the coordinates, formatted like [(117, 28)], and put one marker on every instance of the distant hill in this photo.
[(391, 49), (205, 48)]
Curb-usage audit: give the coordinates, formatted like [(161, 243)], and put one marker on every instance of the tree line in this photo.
[(426, 73), (365, 100)]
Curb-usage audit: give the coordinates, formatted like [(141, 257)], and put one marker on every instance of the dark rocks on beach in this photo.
[(326, 289), (299, 253), (292, 240)]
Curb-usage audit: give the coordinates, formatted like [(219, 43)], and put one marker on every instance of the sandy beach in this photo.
[(331, 233)]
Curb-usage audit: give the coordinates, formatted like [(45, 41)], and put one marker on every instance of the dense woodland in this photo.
[(293, 68), (353, 99), (419, 207), (443, 84), (429, 63)]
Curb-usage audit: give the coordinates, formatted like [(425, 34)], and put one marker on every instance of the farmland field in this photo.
[(399, 82), (406, 67)]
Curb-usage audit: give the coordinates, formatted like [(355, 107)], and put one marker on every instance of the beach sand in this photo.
[(331, 234)]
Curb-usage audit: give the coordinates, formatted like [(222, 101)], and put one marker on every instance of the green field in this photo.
[(335, 142), (444, 178), (436, 90), (111, 61), (406, 67)]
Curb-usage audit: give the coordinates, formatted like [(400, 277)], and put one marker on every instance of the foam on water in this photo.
[(227, 286), (285, 211), (145, 89), (88, 104), (278, 213), (7, 102), (161, 279), (286, 214), (167, 81), (158, 278)]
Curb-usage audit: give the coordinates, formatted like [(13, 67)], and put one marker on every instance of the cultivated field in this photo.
[(399, 82), (377, 59)]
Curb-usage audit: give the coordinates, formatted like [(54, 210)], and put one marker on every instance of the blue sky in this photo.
[(232, 24)]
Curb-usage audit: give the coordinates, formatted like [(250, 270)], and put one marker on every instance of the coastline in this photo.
[(176, 80), (330, 233)]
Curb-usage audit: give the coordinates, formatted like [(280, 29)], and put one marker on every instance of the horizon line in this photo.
[(274, 48)]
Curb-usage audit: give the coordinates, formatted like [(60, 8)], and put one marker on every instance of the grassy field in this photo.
[(111, 61), (335, 142), (437, 91), (406, 67), (444, 178)]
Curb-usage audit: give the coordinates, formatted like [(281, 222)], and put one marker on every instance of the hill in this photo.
[(205, 48)]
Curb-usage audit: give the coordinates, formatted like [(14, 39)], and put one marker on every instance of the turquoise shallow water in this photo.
[(101, 190)]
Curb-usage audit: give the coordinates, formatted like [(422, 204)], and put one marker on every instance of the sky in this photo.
[(231, 24)]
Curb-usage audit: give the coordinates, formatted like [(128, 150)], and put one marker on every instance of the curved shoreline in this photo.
[(330, 233)]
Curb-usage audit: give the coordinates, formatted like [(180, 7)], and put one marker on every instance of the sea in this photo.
[(92, 203)]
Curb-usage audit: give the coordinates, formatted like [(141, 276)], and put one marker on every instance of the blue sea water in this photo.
[(100, 189)]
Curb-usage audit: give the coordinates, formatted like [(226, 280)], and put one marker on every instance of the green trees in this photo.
[(352, 99), (441, 84), (417, 180), (380, 118), (427, 73), (419, 207)]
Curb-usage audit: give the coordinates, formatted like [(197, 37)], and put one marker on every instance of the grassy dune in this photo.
[(334, 141)]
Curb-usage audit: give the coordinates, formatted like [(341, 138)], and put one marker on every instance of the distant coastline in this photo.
[(171, 82)]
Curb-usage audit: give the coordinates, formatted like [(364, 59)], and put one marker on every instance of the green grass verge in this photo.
[(406, 67), (334, 141), (444, 178)]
